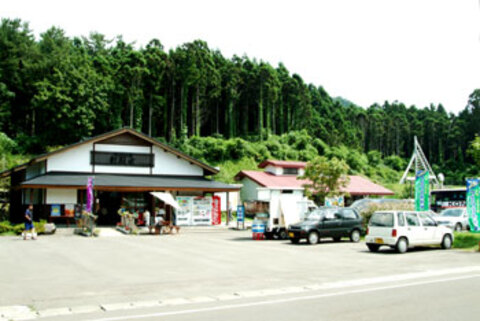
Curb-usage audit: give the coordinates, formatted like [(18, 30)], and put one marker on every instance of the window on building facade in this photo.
[(290, 171)]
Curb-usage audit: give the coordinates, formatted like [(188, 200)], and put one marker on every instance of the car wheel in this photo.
[(313, 238), (446, 242), (355, 236), (336, 239), (295, 241), (458, 227), (283, 235), (373, 247), (402, 245)]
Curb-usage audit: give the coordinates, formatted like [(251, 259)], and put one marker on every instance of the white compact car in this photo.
[(454, 218), (404, 229)]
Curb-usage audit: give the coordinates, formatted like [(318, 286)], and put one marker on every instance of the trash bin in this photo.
[(258, 229)]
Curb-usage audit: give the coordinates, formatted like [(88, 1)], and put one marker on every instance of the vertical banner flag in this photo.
[(422, 191), (89, 195), (473, 204), (216, 210)]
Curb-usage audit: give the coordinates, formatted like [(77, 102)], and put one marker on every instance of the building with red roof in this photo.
[(281, 177)]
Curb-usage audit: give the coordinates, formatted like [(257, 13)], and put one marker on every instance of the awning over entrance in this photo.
[(128, 183), (167, 198)]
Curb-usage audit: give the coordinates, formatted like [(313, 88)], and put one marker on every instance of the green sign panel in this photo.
[(473, 204), (422, 191)]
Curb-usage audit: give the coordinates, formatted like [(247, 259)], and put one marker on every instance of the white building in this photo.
[(281, 177), (126, 165)]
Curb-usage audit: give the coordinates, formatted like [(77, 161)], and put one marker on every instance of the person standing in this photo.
[(29, 223), (146, 218)]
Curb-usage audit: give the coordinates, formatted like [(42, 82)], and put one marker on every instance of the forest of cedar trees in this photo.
[(56, 90)]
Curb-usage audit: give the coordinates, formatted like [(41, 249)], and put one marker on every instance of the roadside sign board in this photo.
[(473, 204), (422, 191), (240, 214)]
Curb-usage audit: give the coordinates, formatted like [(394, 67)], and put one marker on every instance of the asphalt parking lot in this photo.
[(68, 271)]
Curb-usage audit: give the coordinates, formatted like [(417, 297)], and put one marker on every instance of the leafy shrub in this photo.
[(374, 157), (7, 227), (395, 162)]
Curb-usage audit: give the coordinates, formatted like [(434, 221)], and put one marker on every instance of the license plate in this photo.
[(291, 234), (379, 241)]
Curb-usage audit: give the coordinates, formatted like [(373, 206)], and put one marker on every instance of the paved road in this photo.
[(450, 297), (71, 273)]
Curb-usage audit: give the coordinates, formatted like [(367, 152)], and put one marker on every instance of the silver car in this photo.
[(455, 218)]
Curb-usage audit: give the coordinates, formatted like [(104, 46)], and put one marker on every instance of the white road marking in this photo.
[(284, 300)]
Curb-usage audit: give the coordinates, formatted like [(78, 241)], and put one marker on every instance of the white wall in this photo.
[(234, 199), (122, 148), (274, 170), (61, 196), (77, 159), (170, 164), (249, 190)]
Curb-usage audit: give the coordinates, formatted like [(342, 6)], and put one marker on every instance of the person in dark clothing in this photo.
[(29, 228)]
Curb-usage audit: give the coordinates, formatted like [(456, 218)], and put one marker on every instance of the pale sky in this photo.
[(414, 51)]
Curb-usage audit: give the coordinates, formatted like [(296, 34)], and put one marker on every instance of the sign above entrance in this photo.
[(122, 159)]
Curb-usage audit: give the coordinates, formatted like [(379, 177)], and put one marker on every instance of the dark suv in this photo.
[(334, 222)]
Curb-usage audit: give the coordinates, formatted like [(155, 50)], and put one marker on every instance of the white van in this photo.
[(404, 229)]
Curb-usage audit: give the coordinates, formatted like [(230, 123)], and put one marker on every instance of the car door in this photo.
[(429, 227), (349, 221), (414, 229), (332, 225)]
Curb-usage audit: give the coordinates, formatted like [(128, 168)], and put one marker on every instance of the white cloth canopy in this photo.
[(167, 198)]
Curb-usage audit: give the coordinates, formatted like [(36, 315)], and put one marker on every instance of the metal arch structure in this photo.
[(421, 163)]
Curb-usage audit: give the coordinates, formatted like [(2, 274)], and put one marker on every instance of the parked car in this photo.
[(362, 205), (334, 222), (404, 229), (454, 218)]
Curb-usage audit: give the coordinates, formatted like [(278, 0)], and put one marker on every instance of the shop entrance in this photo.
[(110, 202), (108, 206)]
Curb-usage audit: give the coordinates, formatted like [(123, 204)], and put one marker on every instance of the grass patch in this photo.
[(466, 240)]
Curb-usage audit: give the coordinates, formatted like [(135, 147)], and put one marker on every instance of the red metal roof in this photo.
[(266, 179), (283, 164), (362, 186), (357, 185)]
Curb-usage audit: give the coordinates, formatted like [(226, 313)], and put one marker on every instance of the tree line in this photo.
[(57, 90)]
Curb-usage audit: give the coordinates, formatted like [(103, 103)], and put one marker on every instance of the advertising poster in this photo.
[(55, 210), (473, 204), (202, 211), (335, 201), (69, 210), (216, 210), (422, 191), (184, 214)]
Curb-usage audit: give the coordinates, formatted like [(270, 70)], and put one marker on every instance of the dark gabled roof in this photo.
[(209, 169), (127, 182)]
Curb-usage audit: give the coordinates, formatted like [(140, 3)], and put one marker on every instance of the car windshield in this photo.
[(319, 214), (452, 212), (381, 219)]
